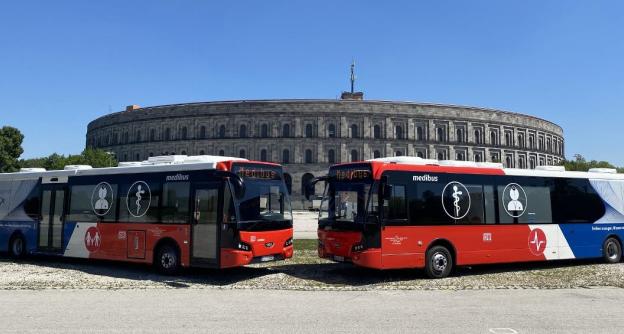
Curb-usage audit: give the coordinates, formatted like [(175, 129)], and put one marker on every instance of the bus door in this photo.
[(207, 216), (52, 217)]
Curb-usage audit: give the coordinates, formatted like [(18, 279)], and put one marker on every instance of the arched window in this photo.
[(548, 145), (398, 153), (125, 137), (376, 154), (308, 156), (377, 132), (531, 142), (459, 156), (167, 134), (184, 133), (286, 130), (521, 163), (152, 135), (151, 154), (354, 155), (305, 179), (202, 132), (286, 156), (477, 137), (331, 156), (137, 157), (263, 155), (222, 153), (331, 131), (288, 182), (183, 152), (354, 131), (441, 155), (125, 157), (540, 143), (309, 131), (241, 153), (398, 132), (115, 139), (202, 152), (508, 141), (242, 131), (532, 163), (222, 131), (137, 138), (441, 134), (420, 135), (264, 131), (508, 163), (460, 135), (477, 157), (493, 138), (420, 155)]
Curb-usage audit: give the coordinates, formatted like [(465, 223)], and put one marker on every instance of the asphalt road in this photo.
[(263, 311)]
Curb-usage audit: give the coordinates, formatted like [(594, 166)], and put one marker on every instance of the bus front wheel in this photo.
[(612, 250), (439, 262), (167, 259)]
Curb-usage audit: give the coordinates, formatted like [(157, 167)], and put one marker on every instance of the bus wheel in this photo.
[(167, 260), (612, 250), (17, 247), (439, 262)]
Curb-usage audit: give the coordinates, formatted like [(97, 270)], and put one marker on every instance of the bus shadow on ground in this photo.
[(330, 274)]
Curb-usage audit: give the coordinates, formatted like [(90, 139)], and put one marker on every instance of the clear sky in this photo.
[(65, 63)]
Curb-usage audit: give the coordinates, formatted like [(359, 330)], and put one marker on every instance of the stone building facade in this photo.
[(307, 136)]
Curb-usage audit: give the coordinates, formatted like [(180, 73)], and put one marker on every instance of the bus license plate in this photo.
[(267, 258), (338, 258)]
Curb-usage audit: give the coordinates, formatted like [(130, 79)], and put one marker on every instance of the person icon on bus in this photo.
[(347, 206), (102, 203), (514, 204)]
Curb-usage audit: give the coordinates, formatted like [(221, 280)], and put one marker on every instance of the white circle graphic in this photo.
[(459, 191), (104, 201), (515, 203), (139, 190)]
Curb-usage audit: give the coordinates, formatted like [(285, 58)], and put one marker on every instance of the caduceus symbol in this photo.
[(456, 194), (138, 194)]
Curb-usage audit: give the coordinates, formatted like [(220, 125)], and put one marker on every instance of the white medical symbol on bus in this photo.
[(456, 200), (138, 199), (93, 239), (514, 200), (101, 198), (537, 241), (138, 195)]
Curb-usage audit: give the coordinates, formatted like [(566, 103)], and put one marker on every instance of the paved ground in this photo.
[(264, 311), (305, 224)]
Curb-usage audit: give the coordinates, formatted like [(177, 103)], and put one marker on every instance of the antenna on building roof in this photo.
[(352, 76)]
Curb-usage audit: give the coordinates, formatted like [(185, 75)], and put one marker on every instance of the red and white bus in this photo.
[(406, 212), (172, 211)]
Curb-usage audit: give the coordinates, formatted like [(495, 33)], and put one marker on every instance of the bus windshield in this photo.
[(265, 203), (345, 203)]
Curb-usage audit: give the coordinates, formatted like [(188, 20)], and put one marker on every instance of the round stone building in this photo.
[(307, 136)]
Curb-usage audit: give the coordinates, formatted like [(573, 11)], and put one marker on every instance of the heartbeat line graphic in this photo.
[(537, 242)]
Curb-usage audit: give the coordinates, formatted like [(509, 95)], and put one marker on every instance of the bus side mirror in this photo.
[(310, 187)]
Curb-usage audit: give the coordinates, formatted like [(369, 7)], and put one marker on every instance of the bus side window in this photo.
[(82, 209), (175, 202), (490, 204), (229, 213), (395, 208), (475, 214)]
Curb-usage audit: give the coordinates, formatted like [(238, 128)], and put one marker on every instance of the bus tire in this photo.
[(17, 247), (167, 260), (612, 250), (439, 262)]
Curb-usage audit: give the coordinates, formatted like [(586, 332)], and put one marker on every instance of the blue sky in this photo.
[(65, 63)]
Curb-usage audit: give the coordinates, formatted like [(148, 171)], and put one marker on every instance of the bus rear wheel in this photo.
[(612, 250), (17, 247), (439, 262), (167, 260)]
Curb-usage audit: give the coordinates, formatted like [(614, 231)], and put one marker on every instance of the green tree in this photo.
[(93, 157), (10, 148), (581, 164)]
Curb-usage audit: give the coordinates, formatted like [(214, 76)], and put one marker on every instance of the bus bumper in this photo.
[(370, 258), (236, 258), (263, 246)]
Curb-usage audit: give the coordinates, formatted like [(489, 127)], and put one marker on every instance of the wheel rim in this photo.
[(167, 260), (439, 262), (612, 250), (18, 246)]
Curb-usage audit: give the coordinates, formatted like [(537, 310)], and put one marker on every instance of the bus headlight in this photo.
[(243, 246), (358, 247), (288, 242)]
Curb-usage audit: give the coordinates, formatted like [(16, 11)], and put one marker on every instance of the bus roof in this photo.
[(416, 164), (169, 163)]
